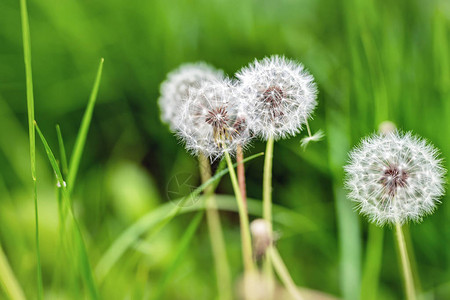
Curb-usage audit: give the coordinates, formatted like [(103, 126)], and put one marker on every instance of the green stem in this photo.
[(283, 273), (8, 280), (223, 273), (406, 267), (267, 207), (267, 183), (241, 174), (247, 255)]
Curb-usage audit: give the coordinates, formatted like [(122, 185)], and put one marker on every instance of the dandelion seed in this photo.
[(210, 120), (395, 177), (174, 90), (279, 95), (318, 136)]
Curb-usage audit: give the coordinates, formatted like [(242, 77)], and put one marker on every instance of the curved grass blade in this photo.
[(86, 270), (155, 219), (82, 133), (62, 152), (181, 251), (7, 279), (30, 108)]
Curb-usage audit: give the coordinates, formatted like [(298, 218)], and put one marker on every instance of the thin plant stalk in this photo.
[(241, 174), (406, 266), (223, 273), (267, 183), (30, 107), (247, 255), (267, 206), (283, 273)]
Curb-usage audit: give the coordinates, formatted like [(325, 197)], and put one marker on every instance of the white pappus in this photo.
[(395, 177)]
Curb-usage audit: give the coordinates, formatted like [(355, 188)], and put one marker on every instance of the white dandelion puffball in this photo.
[(210, 120), (280, 96), (174, 90), (395, 177)]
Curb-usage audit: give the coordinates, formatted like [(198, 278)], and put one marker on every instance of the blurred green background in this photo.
[(373, 61)]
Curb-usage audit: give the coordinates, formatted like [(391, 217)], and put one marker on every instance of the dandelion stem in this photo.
[(267, 183), (307, 127), (241, 174), (407, 274), (283, 273), (267, 204), (223, 273), (247, 255)]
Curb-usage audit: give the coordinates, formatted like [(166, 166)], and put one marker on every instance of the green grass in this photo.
[(372, 61), (8, 280), (73, 230), (82, 133), (32, 134)]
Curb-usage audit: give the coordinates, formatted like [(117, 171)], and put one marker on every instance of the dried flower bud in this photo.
[(262, 237), (387, 127), (256, 286), (395, 177), (279, 95)]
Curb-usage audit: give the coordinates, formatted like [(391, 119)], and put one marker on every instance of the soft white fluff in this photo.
[(210, 120), (174, 90), (395, 178), (279, 95)]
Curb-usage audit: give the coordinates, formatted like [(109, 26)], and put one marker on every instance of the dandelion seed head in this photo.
[(279, 95), (174, 90), (395, 177), (210, 120)]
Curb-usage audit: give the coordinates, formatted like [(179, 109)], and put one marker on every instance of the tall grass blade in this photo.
[(30, 107), (86, 270), (347, 219), (372, 263), (82, 133)]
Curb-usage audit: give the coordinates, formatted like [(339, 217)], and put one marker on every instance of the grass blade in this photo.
[(347, 220), (86, 270), (82, 133), (157, 218), (181, 251), (62, 150), (30, 107), (372, 263), (160, 215), (8, 280)]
